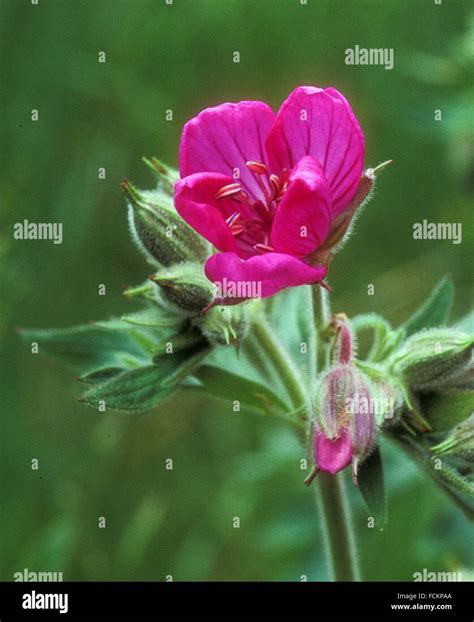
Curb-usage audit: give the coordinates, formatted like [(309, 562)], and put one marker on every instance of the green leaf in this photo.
[(435, 310), (89, 347), (101, 375), (231, 386), (371, 485), (178, 341), (152, 318), (145, 387)]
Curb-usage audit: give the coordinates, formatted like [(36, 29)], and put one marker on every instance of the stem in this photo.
[(321, 318), (282, 362), (337, 527)]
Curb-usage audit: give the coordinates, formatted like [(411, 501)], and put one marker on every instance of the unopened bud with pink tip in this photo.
[(345, 429)]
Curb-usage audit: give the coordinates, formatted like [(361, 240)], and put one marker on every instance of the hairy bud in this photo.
[(185, 286), (224, 325), (430, 358), (345, 422), (158, 230), (460, 441)]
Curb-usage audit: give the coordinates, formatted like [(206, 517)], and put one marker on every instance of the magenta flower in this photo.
[(266, 189)]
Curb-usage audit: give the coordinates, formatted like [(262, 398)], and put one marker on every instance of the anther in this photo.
[(275, 184), (232, 219), (228, 191), (256, 167), (263, 248)]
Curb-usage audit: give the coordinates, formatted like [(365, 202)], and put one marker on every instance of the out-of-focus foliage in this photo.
[(225, 464)]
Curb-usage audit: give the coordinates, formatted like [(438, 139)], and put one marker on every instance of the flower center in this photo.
[(252, 220)]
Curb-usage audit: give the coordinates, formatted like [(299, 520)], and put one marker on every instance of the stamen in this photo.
[(263, 248), (281, 192), (256, 167), (228, 191), (237, 229), (275, 184), (232, 219)]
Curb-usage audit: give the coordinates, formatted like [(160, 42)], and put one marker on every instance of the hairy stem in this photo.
[(337, 527), (321, 319), (281, 361)]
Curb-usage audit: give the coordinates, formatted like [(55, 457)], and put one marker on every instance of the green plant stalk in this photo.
[(281, 361), (337, 529), (334, 510)]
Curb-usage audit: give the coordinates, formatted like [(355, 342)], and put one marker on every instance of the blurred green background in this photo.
[(93, 115)]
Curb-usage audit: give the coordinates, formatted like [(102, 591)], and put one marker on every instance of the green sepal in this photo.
[(166, 175)]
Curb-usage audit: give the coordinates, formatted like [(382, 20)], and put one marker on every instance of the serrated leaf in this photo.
[(435, 310), (88, 347), (145, 387), (372, 487), (231, 386)]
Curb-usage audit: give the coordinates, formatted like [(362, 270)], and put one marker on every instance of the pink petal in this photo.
[(303, 217), (224, 138), (330, 133), (195, 202), (333, 455), (267, 274)]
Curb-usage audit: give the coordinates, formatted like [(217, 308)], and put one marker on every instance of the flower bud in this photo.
[(185, 286), (430, 358), (345, 427), (460, 441), (224, 325), (158, 230)]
